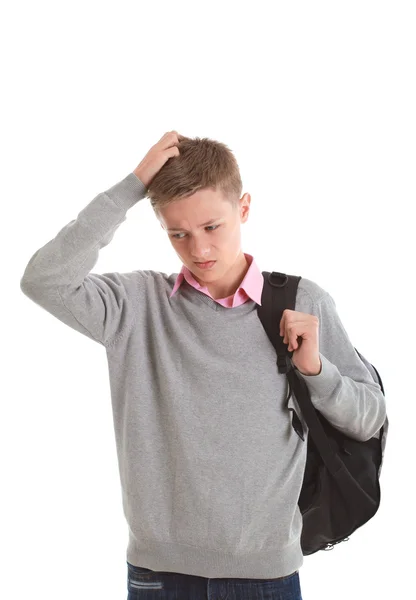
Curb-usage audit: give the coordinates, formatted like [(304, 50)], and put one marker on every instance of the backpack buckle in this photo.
[(284, 363)]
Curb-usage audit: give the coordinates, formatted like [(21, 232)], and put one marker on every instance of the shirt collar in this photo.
[(252, 284)]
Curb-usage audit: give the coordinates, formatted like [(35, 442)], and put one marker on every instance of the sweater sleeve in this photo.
[(58, 278), (344, 391)]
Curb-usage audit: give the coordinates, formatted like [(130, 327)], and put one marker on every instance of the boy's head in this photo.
[(202, 184)]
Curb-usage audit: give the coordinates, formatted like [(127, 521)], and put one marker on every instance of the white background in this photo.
[(317, 102)]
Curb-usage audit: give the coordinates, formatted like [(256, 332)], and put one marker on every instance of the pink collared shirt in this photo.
[(250, 287)]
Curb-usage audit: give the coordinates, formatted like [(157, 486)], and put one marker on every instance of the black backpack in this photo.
[(340, 489)]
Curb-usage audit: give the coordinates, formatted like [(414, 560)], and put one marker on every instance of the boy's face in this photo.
[(219, 241)]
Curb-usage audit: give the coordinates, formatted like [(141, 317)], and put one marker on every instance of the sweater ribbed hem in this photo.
[(191, 560)]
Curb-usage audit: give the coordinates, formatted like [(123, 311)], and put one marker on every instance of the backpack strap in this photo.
[(279, 293)]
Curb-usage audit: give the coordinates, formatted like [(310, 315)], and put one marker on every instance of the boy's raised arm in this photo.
[(58, 276)]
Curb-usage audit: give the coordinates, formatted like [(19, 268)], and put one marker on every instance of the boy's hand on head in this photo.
[(158, 154)]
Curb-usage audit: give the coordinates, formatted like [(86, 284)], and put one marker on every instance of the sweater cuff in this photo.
[(322, 385), (127, 192)]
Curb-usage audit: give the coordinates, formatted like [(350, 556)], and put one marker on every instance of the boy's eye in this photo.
[(207, 227)]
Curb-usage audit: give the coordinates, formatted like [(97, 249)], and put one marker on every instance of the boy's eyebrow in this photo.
[(202, 225)]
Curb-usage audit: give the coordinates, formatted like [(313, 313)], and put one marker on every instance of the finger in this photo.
[(168, 139), (281, 325), (172, 151), (286, 334)]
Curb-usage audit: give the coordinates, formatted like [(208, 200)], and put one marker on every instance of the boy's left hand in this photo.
[(301, 332)]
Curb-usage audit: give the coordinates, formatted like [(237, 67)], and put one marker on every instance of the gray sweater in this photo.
[(210, 465)]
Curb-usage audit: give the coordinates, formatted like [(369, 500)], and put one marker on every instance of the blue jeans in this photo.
[(144, 584)]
